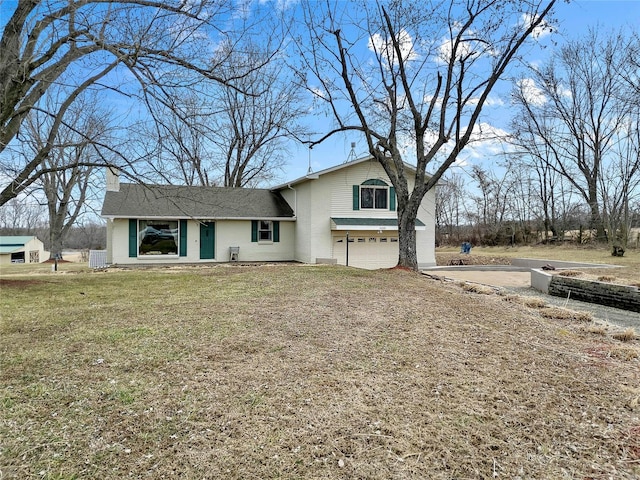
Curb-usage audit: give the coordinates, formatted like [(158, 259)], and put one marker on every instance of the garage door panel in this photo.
[(370, 251)]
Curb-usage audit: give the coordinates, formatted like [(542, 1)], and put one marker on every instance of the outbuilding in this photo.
[(21, 249)]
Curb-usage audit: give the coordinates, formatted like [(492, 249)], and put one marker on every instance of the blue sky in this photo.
[(573, 20)]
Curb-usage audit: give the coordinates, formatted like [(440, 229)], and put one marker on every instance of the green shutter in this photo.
[(356, 197), (276, 231), (254, 230), (133, 238), (392, 199), (183, 238)]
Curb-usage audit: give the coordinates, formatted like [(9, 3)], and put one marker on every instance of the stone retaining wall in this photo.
[(619, 296), (601, 293)]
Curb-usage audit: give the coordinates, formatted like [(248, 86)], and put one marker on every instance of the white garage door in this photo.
[(367, 250)]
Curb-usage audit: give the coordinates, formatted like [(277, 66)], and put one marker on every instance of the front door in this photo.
[(207, 240)]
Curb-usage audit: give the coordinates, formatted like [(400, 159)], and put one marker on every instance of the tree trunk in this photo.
[(407, 247), (596, 222), (55, 237)]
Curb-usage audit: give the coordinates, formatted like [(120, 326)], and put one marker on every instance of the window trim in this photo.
[(374, 183), (176, 238), (274, 228), (268, 230), (375, 188)]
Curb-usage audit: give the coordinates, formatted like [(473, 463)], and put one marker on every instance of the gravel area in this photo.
[(616, 316)]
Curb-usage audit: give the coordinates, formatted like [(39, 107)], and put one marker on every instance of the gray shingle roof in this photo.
[(174, 201)]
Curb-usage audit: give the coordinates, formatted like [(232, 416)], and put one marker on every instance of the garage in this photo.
[(372, 242), (367, 250)]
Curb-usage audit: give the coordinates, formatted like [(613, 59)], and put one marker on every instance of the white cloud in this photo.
[(563, 91), (494, 101), (446, 49), (384, 47), (280, 5), (531, 92), (468, 46), (487, 142), (542, 30), (489, 102)]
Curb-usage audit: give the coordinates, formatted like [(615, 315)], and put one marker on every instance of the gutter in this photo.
[(191, 217)]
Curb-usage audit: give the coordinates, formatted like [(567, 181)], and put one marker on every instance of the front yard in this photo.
[(278, 371)]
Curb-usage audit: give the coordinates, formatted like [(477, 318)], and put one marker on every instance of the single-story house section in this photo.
[(21, 249), (344, 214)]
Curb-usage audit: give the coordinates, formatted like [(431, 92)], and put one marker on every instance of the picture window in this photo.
[(158, 237)]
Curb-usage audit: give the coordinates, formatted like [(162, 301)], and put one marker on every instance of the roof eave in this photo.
[(316, 175), (195, 217)]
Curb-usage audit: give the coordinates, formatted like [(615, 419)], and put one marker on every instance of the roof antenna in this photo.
[(352, 153), (309, 171)]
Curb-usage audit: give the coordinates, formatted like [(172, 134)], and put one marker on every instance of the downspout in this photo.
[(295, 216), (295, 201)]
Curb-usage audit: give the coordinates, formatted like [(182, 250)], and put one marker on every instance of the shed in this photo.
[(21, 249)]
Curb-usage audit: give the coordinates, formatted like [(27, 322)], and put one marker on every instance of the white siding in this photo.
[(338, 186), (228, 233), (426, 239), (33, 246), (306, 239), (331, 195), (119, 247)]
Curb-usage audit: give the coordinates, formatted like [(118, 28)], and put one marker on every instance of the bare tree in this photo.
[(176, 143), (492, 203), (620, 181), (21, 216), (157, 43), (571, 110), (542, 179), (256, 117), (66, 170), (236, 134), (404, 72)]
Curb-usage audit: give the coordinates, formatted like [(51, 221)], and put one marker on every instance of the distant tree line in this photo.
[(18, 219), (484, 208)]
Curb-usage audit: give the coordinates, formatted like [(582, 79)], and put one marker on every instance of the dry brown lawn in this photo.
[(304, 372)]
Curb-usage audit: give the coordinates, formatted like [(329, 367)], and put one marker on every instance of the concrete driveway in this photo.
[(491, 277)]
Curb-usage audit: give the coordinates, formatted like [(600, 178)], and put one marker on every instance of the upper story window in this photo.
[(374, 194), (374, 197)]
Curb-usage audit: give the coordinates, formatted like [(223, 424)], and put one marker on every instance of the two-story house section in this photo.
[(348, 214)]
